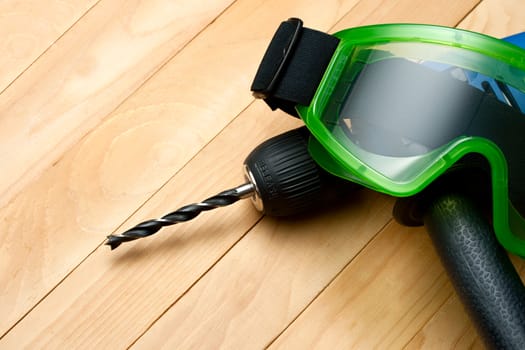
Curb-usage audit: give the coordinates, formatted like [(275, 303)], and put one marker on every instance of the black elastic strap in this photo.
[(293, 66)]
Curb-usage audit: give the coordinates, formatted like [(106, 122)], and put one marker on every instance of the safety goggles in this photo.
[(393, 107)]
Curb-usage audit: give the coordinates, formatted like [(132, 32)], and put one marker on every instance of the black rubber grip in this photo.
[(480, 270)]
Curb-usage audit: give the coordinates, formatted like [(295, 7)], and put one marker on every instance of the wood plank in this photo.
[(113, 297), (449, 328), (268, 278), (389, 290), (85, 75), (28, 28), (61, 217), (498, 18), (384, 297), (414, 11), (97, 184)]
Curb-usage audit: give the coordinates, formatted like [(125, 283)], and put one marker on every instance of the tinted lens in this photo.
[(403, 100), (399, 108)]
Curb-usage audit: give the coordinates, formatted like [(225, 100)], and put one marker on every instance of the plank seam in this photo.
[(49, 47), (451, 295), (119, 227), (28, 180), (468, 13), (199, 278), (336, 276), (153, 72)]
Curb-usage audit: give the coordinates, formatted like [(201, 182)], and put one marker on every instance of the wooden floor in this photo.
[(113, 111)]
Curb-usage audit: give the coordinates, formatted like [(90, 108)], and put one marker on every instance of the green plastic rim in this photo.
[(468, 50)]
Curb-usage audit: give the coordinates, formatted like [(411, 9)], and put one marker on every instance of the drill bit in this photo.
[(186, 213)]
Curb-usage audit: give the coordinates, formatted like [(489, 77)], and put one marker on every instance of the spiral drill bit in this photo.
[(185, 213)]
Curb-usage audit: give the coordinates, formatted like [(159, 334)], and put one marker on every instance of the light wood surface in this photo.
[(113, 111)]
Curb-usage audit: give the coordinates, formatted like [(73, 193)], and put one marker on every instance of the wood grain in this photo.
[(107, 176), (498, 18), (268, 278), (378, 11), (424, 303), (67, 92), (95, 199), (29, 28), (170, 123), (85, 75), (347, 315), (449, 328), (113, 297)]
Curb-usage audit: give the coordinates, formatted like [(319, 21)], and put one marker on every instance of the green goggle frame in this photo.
[(397, 105)]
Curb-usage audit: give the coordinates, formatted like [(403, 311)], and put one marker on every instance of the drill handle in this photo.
[(480, 270)]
